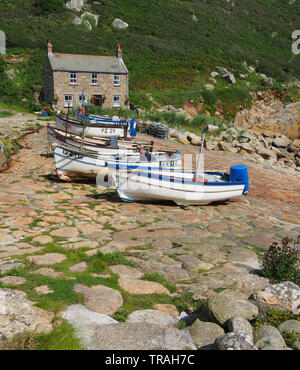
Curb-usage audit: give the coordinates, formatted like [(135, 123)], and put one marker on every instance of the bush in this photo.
[(47, 6), (281, 262)]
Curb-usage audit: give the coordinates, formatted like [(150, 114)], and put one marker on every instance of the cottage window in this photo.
[(73, 78), (68, 101), (80, 99), (117, 101), (94, 77), (117, 80)]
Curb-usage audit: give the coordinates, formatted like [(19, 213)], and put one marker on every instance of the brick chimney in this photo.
[(49, 47), (119, 51)]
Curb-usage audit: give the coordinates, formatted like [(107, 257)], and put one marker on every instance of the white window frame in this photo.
[(67, 101), (117, 80), (80, 99), (73, 78), (117, 102), (94, 79)]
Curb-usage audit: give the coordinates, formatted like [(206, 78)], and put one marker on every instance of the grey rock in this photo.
[(290, 326), (204, 334), (232, 131), (281, 142), (180, 135), (119, 23), (152, 317), (239, 324), (79, 316), (268, 335), (209, 87), (228, 75), (176, 339), (122, 336), (234, 341), (287, 293), (246, 147), (213, 127), (18, 315), (194, 139), (133, 336), (227, 304), (75, 4)]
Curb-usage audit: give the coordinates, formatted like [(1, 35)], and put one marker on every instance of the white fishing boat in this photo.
[(183, 188), (86, 128), (109, 146), (71, 164)]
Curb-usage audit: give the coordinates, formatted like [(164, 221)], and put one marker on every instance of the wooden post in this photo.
[(67, 119)]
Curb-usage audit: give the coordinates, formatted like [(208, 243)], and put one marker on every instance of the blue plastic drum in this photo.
[(240, 173)]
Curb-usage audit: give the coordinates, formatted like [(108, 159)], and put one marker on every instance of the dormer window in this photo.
[(94, 78), (73, 78), (117, 80)]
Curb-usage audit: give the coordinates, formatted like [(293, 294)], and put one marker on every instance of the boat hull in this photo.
[(142, 187), (70, 164), (92, 130), (56, 136)]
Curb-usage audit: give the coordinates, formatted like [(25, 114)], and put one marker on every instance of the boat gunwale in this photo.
[(171, 179), (104, 125)]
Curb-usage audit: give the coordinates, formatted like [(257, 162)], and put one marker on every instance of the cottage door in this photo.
[(97, 100)]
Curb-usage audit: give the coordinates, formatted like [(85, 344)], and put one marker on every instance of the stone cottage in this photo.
[(104, 80)]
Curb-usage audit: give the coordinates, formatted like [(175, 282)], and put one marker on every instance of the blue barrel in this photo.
[(240, 173)]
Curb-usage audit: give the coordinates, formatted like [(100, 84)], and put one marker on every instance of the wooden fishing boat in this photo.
[(183, 188), (71, 164), (84, 127), (109, 146)]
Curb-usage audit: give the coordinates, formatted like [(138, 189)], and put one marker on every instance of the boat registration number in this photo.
[(72, 154), (107, 130)]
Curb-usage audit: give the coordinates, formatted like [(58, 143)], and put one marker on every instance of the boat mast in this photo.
[(83, 128), (201, 152)]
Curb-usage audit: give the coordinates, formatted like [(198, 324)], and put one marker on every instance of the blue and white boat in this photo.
[(85, 127), (181, 187)]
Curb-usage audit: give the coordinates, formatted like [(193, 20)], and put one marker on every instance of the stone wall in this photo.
[(105, 88), (47, 93)]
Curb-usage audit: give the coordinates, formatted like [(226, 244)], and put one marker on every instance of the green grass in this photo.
[(61, 337), (5, 113)]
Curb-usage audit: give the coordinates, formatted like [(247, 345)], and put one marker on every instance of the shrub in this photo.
[(45, 6), (281, 263)]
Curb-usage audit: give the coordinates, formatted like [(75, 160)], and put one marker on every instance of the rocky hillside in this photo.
[(179, 51)]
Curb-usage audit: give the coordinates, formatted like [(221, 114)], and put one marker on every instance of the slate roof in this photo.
[(86, 63)]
